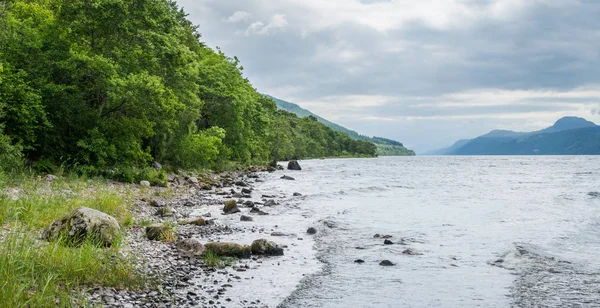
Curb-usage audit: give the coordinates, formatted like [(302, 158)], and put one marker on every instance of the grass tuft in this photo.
[(211, 259)]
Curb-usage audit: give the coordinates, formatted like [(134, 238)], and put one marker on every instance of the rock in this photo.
[(386, 263), (145, 184), (289, 178), (165, 211), (195, 221), (377, 235), (51, 178), (311, 230), (246, 191), (246, 218), (271, 169), (84, 223), (190, 247), (294, 165), (249, 203), (156, 165), (264, 247), (156, 231), (388, 242), (386, 236), (411, 252), (231, 207), (229, 249), (256, 210), (297, 194), (189, 204), (192, 180), (206, 186), (157, 203), (594, 194), (280, 167), (259, 181), (278, 234), (270, 202), (359, 261), (241, 183)]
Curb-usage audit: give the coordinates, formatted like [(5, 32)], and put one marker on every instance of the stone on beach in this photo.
[(155, 232), (227, 249), (195, 221), (165, 211), (256, 210), (189, 246), (84, 223), (311, 230), (265, 247), (386, 263), (270, 202), (231, 207), (294, 165)]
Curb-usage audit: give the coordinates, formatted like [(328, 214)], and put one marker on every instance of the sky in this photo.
[(423, 72)]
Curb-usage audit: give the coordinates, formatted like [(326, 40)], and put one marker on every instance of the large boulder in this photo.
[(294, 165), (227, 249), (231, 207), (84, 223), (264, 247)]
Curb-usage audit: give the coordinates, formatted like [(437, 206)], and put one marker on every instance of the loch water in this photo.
[(495, 231)]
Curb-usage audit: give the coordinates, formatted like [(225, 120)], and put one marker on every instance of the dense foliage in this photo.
[(96, 84)]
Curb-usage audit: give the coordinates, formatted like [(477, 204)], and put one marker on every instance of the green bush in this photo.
[(136, 175)]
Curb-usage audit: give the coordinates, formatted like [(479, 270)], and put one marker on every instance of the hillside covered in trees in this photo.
[(101, 84), (385, 147)]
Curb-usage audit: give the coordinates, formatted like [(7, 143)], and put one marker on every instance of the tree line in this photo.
[(98, 84)]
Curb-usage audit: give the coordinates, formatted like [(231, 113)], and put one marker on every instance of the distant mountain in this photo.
[(385, 147), (450, 149), (568, 136)]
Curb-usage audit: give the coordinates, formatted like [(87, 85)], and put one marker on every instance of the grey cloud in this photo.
[(553, 45)]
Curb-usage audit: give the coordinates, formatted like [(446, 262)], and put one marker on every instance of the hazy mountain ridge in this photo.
[(385, 147), (568, 136)]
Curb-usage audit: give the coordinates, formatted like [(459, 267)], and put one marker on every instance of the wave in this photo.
[(545, 280)]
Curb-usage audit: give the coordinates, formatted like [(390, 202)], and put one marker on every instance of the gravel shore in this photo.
[(186, 281)]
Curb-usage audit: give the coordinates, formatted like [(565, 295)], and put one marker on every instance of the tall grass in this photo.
[(35, 203), (34, 273), (37, 274)]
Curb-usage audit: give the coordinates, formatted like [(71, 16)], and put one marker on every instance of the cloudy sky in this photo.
[(424, 72)]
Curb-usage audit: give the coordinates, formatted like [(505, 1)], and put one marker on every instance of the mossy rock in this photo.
[(84, 224), (226, 249), (158, 232), (264, 247), (231, 207), (195, 221)]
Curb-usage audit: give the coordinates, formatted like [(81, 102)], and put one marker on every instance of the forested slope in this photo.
[(102, 84), (384, 146)]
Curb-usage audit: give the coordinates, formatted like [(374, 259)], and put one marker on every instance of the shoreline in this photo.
[(186, 281)]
